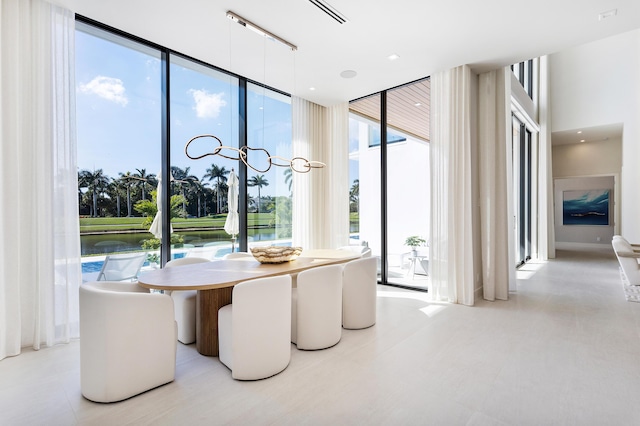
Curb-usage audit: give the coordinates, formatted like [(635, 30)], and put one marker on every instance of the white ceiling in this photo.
[(428, 36), (610, 132)]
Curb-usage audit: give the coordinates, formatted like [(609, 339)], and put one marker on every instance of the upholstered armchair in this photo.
[(316, 308), (254, 332), (359, 293), (127, 340), (184, 303)]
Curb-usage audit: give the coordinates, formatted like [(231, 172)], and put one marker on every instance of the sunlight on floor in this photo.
[(430, 310), (529, 269)]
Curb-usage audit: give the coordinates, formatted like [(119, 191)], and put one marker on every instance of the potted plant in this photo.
[(152, 245), (414, 241)]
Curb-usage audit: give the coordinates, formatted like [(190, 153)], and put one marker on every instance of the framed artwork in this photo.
[(585, 207)]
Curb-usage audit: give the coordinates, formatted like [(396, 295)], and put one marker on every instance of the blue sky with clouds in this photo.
[(118, 94)]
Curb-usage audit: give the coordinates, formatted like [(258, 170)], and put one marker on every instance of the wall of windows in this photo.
[(138, 104)]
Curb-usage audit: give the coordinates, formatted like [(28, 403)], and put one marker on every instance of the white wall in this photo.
[(587, 159), (408, 196), (592, 159), (597, 84)]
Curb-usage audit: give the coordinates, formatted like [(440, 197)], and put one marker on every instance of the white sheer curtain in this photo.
[(546, 235), (451, 250), (40, 247), (336, 233), (493, 125), (321, 197)]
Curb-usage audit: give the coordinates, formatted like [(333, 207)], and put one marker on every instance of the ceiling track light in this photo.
[(257, 29), (330, 10)]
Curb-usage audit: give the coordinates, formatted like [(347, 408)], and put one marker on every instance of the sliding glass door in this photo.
[(389, 181)]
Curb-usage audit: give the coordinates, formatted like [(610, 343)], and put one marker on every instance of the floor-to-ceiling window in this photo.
[(522, 181), (204, 101), (408, 183), (138, 106), (269, 185), (119, 133), (389, 181), (364, 173)]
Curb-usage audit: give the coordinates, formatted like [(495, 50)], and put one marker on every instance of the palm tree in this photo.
[(288, 177), (142, 178), (354, 195), (95, 182), (115, 189), (197, 188), (126, 179), (183, 178), (220, 175), (259, 181)]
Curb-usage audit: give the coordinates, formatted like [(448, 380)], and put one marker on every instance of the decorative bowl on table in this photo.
[(275, 254)]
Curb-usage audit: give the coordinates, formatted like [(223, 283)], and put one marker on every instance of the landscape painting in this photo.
[(585, 207)]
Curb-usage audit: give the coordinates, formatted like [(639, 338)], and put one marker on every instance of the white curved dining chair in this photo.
[(634, 247), (184, 302), (316, 308), (127, 340), (628, 260), (254, 332), (363, 251), (359, 293)]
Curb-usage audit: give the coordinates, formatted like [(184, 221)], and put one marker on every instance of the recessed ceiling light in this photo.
[(582, 140), (348, 74), (312, 88), (417, 104), (393, 57), (579, 132)]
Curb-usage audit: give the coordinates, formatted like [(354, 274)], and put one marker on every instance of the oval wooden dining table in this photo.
[(214, 282)]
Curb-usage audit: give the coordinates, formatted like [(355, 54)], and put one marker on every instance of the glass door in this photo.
[(389, 181), (522, 164)]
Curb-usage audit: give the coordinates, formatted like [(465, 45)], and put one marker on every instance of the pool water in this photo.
[(89, 267)]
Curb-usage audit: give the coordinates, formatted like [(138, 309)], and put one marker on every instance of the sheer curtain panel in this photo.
[(493, 124), (337, 177), (321, 197), (451, 250), (40, 247), (308, 195), (546, 238)]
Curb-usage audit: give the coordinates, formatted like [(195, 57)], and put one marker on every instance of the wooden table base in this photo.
[(207, 304)]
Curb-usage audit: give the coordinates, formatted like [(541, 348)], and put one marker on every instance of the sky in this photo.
[(118, 95)]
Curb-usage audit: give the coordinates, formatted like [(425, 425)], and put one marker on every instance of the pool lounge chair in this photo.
[(118, 267)]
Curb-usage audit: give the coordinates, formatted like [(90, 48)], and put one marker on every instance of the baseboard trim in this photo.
[(567, 245)]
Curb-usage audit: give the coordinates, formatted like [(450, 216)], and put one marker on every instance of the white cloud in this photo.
[(111, 89), (207, 104)]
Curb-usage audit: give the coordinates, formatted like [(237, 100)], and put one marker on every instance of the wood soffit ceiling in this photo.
[(408, 108)]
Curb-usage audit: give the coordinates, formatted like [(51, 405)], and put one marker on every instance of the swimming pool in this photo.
[(96, 266)]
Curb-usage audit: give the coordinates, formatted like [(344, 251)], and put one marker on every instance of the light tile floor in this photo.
[(564, 350)]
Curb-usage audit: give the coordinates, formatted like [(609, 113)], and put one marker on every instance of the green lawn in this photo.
[(101, 224)]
